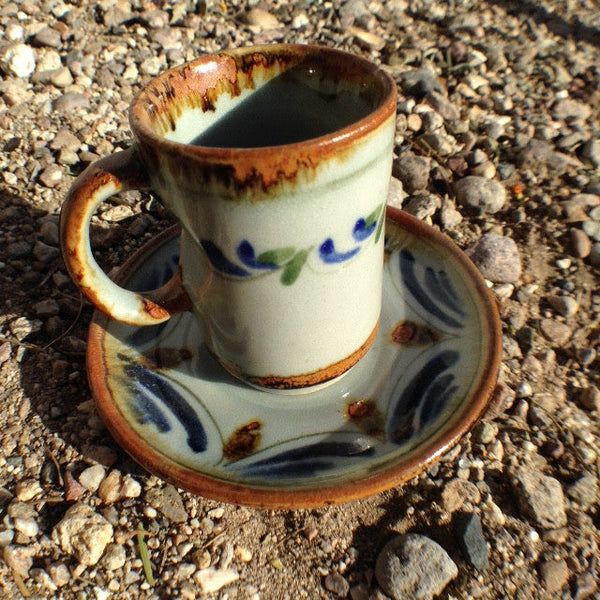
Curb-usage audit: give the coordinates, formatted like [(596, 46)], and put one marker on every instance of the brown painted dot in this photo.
[(360, 409), (243, 441), (403, 333)]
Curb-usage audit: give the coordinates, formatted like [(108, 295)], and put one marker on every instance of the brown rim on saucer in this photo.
[(403, 469)]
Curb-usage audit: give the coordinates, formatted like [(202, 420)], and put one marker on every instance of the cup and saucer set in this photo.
[(292, 342)]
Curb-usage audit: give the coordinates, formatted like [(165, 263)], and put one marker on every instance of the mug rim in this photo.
[(324, 145)]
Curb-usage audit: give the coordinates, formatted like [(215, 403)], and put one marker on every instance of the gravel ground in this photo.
[(498, 145)]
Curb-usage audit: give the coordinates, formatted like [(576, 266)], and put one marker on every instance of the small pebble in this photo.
[(167, 500), (110, 488), (585, 491), (59, 573), (555, 332), (586, 586), (413, 171), (589, 398), (71, 101), (337, 585), (19, 558), (92, 477), (28, 527), (27, 489), (45, 253), (458, 491), (83, 533), (541, 498), (554, 574), (18, 60), (262, 19), (49, 233), (51, 176), (467, 529), (565, 306), (47, 37), (396, 194), (592, 229), (212, 579), (423, 205), (115, 557)]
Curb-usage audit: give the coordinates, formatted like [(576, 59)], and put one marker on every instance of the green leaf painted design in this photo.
[(293, 268), (278, 257), (380, 223), (373, 216)]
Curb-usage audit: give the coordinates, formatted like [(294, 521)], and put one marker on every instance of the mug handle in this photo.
[(104, 178)]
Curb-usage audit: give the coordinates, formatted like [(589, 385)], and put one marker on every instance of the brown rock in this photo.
[(554, 574), (458, 491), (51, 176), (110, 488), (590, 398), (73, 489), (555, 332), (581, 245), (257, 17)]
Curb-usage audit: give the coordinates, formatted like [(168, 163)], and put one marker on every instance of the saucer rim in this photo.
[(403, 469)]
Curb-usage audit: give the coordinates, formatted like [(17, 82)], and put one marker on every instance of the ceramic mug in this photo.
[(276, 162)]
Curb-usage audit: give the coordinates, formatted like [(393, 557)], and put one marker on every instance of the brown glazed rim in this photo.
[(331, 143), (402, 470)]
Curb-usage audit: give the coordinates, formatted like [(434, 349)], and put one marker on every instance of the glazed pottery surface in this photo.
[(276, 162), (424, 382)]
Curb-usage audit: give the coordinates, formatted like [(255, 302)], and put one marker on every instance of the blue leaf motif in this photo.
[(246, 254), (436, 397), (429, 387), (329, 255), (220, 262), (362, 231), (148, 381), (306, 461), (409, 277), (440, 287), (147, 411)]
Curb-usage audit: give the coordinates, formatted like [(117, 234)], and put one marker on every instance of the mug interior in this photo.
[(261, 97)]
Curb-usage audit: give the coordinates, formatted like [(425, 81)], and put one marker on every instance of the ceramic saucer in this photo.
[(423, 384)]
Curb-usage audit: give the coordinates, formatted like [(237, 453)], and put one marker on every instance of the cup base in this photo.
[(306, 382)]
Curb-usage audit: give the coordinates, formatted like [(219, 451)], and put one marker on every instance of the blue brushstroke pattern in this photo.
[(247, 255), (149, 412), (407, 270), (361, 232), (437, 285), (220, 262), (436, 397), (423, 387), (329, 255), (173, 400), (306, 461)]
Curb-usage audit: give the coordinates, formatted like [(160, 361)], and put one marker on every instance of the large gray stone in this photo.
[(497, 257), (414, 567), (479, 193), (541, 498)]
